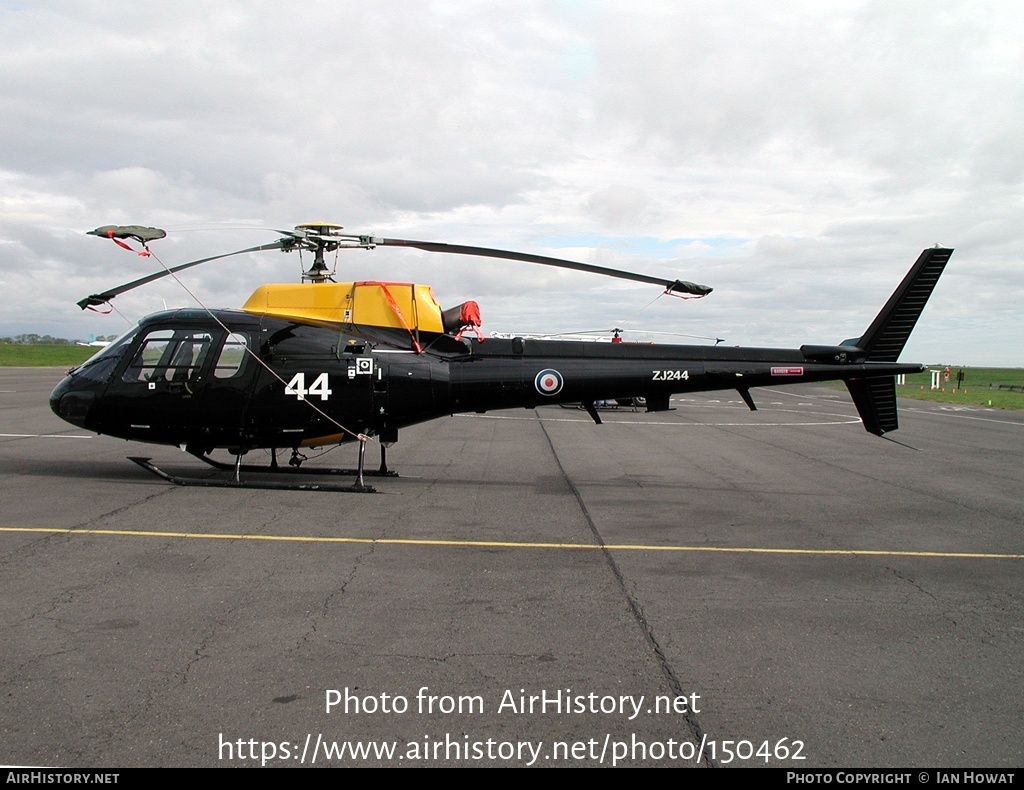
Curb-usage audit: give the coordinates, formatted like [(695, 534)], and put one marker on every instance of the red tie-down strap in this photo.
[(670, 292), (143, 253), (398, 312)]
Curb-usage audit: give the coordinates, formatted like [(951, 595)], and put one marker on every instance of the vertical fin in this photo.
[(875, 400), (888, 333)]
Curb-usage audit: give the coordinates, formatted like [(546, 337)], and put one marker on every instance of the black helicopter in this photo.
[(322, 362)]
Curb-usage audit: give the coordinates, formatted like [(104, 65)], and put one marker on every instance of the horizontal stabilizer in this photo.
[(875, 400)]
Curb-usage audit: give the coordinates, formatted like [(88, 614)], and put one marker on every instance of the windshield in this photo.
[(101, 365)]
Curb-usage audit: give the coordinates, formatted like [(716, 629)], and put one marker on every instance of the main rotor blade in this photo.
[(106, 296), (674, 286)]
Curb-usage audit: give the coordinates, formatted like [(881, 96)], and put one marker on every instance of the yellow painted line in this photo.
[(511, 544), (43, 436)]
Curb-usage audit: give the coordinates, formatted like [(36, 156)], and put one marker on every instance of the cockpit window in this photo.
[(100, 366), (232, 356), (169, 355)]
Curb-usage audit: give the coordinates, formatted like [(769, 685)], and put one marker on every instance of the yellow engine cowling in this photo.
[(395, 305)]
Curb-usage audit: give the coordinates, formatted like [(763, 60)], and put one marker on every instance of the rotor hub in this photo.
[(320, 237)]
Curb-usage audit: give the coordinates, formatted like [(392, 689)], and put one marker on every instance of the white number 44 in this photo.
[(297, 387)]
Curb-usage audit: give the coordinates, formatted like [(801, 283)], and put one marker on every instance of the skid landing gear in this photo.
[(267, 484), (296, 461), (237, 468)]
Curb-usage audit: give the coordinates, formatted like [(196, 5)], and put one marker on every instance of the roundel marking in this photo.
[(548, 382)]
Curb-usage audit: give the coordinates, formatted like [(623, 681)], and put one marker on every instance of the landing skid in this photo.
[(293, 470), (357, 488)]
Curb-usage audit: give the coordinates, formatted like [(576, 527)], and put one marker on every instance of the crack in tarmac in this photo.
[(912, 583), (696, 730)]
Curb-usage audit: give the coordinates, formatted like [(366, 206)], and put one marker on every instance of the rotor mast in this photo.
[(323, 237)]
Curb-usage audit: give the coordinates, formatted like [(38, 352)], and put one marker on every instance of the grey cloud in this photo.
[(832, 143)]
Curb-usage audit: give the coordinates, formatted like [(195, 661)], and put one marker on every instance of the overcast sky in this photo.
[(795, 156)]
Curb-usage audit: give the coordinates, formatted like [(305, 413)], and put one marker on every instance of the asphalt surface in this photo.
[(787, 584)]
